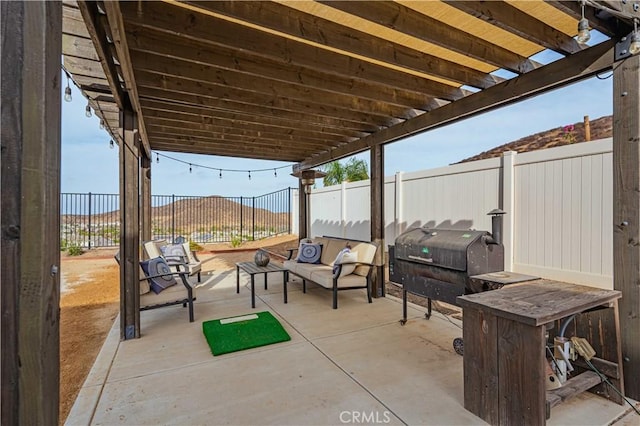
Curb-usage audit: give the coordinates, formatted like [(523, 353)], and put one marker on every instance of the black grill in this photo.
[(438, 263)]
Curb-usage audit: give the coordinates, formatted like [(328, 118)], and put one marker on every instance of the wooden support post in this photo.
[(145, 198), (626, 213), (30, 212), (129, 225), (377, 217), (302, 211)]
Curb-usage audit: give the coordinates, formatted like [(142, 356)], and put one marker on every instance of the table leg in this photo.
[(265, 281), (253, 291), (237, 279), (286, 278)]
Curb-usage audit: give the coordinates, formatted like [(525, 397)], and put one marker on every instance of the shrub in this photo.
[(236, 241), (195, 246), (74, 250)]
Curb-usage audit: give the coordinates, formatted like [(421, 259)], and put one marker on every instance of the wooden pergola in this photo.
[(298, 81)]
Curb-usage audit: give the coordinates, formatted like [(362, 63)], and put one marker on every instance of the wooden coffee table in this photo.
[(252, 269)]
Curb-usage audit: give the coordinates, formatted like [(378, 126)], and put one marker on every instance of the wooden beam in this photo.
[(207, 29), (207, 149), (116, 25), (145, 198), (239, 137), (129, 225), (509, 18), (609, 25), (171, 46), (158, 69), (246, 122), (287, 20), (231, 97), (89, 11), (161, 125), (377, 218), (405, 20), (626, 213), (574, 68), (30, 197), (191, 104)]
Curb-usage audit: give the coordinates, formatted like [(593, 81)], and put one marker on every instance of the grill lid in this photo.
[(439, 247)]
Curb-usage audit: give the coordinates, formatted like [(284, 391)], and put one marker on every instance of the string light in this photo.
[(67, 90), (101, 124), (634, 47), (111, 144), (583, 27), (219, 169), (87, 110)]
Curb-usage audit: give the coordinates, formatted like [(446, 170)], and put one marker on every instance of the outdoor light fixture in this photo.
[(249, 174), (157, 157), (220, 175), (275, 173), (583, 28), (111, 144), (634, 46), (87, 110), (102, 124), (67, 91)]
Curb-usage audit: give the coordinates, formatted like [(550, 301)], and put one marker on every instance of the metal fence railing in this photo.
[(93, 220)]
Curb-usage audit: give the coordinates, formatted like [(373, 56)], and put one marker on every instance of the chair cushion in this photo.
[(324, 277), (331, 250), (174, 252), (309, 253), (157, 266)]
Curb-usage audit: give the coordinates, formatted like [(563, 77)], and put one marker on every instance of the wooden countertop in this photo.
[(539, 302)]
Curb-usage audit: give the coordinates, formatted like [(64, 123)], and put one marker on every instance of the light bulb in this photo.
[(249, 175), (102, 124), (157, 158), (67, 93), (111, 144), (583, 31), (634, 46), (220, 175), (275, 173), (87, 111), (190, 169)]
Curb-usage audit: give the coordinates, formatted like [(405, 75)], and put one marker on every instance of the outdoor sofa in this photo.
[(352, 272)]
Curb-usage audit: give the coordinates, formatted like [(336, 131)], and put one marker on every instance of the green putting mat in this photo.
[(243, 332)]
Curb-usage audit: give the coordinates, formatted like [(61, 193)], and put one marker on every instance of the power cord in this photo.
[(606, 380)]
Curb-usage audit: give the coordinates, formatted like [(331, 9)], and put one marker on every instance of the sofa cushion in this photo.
[(366, 253), (305, 270), (330, 252), (324, 277), (347, 257), (157, 266), (171, 294), (309, 253)]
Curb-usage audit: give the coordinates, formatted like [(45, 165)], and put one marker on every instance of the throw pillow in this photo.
[(157, 268), (309, 253), (174, 253), (348, 267)]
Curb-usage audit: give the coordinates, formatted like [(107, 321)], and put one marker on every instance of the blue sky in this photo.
[(88, 165)]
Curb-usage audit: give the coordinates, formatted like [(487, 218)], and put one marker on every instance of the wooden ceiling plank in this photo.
[(216, 125), (187, 114), (283, 19), (89, 12), (173, 47), (227, 147), (230, 107), (510, 18), (79, 47), (84, 67), (232, 95), (147, 64), (240, 134), (400, 18), (574, 68), (206, 29), (72, 22), (116, 25)]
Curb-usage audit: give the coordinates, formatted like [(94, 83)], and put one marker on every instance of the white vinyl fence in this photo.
[(558, 203)]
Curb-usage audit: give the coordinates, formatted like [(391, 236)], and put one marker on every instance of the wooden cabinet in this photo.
[(504, 348)]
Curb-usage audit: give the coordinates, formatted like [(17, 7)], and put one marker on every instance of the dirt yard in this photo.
[(90, 302)]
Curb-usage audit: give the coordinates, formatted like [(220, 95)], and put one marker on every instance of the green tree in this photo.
[(354, 170)]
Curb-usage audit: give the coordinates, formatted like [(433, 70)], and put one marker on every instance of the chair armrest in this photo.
[(291, 250), (148, 277), (195, 256), (339, 265)]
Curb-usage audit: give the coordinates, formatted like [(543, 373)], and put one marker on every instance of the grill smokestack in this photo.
[(496, 224)]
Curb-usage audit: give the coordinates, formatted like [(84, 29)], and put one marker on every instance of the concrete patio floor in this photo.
[(356, 364)]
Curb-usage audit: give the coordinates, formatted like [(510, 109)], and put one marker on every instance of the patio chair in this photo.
[(177, 255), (159, 288)]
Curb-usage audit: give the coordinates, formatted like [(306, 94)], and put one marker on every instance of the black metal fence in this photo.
[(93, 220)]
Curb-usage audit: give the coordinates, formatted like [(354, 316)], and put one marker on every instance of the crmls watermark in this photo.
[(356, 417)]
